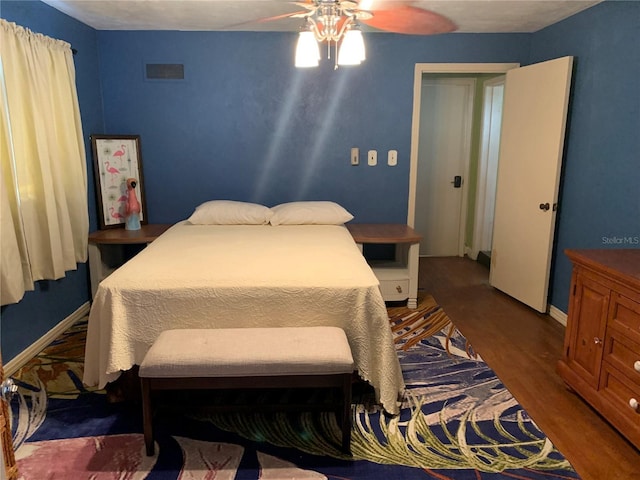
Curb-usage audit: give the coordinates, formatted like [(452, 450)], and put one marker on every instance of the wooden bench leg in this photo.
[(346, 414), (147, 416)]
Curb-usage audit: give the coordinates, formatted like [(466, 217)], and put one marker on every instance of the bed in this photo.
[(222, 276)]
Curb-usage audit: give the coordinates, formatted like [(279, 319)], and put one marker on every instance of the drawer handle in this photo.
[(399, 288), (636, 366), (597, 341), (633, 403)]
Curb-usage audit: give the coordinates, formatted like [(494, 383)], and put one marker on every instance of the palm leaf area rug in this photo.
[(457, 422)]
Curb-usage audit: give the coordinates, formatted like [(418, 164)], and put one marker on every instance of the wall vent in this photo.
[(164, 71)]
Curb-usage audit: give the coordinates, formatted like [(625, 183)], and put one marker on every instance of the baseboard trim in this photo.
[(471, 253), (34, 349), (557, 314)]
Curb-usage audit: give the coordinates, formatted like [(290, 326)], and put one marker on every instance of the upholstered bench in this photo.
[(238, 358)]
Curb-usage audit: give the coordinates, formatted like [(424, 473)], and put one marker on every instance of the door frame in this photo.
[(444, 68), (480, 227)]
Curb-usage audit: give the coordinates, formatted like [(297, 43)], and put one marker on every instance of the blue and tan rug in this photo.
[(458, 422)]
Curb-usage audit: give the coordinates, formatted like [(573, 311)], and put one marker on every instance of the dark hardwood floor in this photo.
[(523, 346)]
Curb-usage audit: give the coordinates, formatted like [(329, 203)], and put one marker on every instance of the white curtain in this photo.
[(44, 211)]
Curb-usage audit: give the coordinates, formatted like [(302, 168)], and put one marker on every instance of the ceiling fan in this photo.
[(336, 21), (397, 16)]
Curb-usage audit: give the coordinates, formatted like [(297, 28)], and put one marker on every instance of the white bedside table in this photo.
[(399, 277)]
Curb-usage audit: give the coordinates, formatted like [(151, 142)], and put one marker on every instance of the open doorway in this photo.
[(468, 110), (535, 108)]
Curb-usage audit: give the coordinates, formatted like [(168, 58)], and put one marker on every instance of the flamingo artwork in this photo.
[(112, 170), (120, 153), (114, 214)]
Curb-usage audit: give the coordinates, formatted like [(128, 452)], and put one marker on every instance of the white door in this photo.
[(443, 154), (533, 128)]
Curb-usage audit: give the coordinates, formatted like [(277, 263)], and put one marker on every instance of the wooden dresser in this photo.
[(601, 358)]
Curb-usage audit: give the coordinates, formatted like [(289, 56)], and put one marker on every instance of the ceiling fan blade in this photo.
[(309, 5), (410, 20), (373, 5)]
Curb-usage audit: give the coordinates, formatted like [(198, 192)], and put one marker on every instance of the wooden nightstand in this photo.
[(398, 277), (107, 249)]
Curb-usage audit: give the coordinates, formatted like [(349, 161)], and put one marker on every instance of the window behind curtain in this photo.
[(44, 217)]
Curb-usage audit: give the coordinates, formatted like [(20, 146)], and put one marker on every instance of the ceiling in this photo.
[(477, 16)]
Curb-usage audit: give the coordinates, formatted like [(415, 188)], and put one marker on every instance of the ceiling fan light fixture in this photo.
[(352, 51), (307, 51)]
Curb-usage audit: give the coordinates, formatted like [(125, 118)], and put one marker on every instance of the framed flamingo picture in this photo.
[(117, 158)]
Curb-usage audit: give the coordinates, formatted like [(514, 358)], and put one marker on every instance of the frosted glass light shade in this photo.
[(352, 50), (307, 51)]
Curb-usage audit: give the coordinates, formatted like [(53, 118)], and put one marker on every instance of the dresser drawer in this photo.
[(620, 392), (624, 316), (623, 354), (394, 281), (394, 290)]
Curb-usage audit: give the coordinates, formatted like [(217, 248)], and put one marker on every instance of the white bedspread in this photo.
[(211, 276)]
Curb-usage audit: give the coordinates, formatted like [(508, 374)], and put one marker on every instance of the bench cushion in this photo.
[(244, 352)]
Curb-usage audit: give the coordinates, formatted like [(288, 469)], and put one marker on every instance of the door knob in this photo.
[(545, 206), (7, 389)]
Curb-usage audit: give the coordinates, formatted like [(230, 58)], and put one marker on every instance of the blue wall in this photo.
[(52, 301), (245, 124), (600, 196)]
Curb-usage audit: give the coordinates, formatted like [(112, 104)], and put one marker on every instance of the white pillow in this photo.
[(229, 212), (309, 213)]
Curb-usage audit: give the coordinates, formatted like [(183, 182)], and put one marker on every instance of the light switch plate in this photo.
[(355, 156), (372, 158)]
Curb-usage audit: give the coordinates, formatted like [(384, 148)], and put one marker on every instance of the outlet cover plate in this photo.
[(392, 158), (372, 158)]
